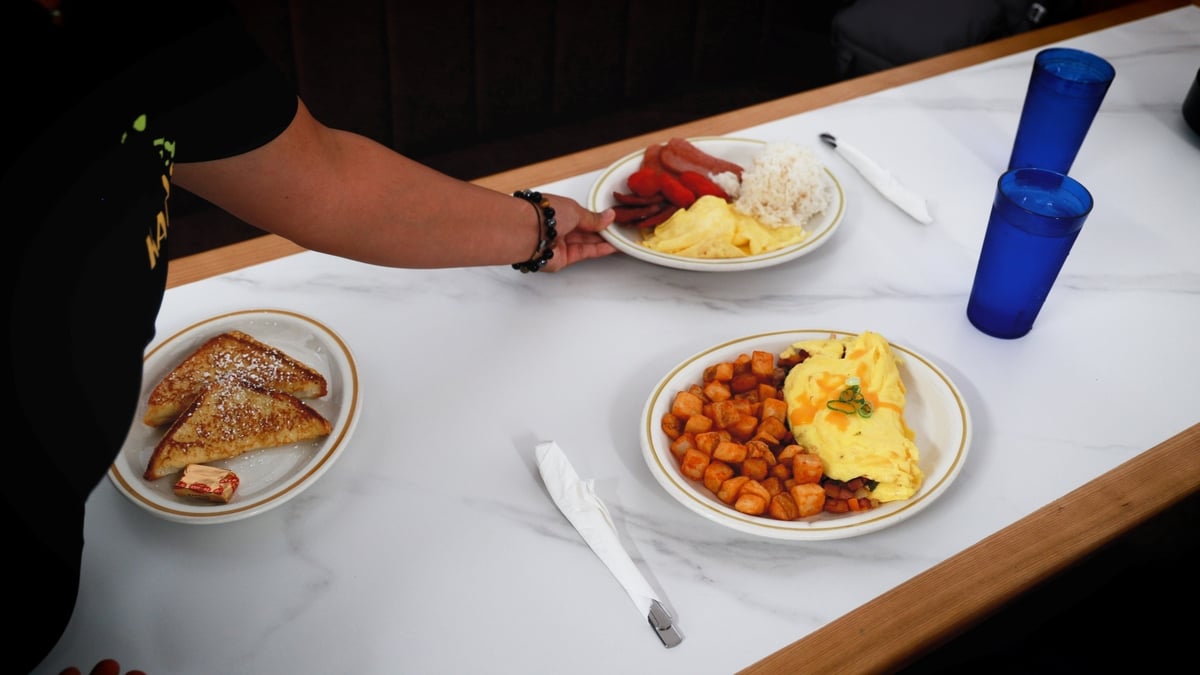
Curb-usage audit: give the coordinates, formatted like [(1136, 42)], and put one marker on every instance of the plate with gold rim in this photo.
[(628, 238), (935, 410), (268, 477)]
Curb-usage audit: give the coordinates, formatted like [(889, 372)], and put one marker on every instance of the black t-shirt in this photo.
[(99, 108)]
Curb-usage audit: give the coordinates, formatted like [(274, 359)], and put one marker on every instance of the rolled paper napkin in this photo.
[(910, 202), (578, 501)]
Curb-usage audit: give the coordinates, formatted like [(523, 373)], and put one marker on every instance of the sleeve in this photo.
[(231, 97)]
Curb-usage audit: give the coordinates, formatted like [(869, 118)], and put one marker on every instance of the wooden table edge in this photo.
[(968, 587), (896, 627)]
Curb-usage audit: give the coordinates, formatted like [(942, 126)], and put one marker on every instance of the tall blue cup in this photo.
[(1036, 216), (1065, 91)]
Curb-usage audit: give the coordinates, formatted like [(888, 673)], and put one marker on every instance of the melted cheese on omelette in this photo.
[(878, 446)]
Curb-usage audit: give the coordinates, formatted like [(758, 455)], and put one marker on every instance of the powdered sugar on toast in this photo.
[(232, 356)]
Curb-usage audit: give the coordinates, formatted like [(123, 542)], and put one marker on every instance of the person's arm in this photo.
[(343, 194)]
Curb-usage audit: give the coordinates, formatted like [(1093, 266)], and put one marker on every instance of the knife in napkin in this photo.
[(578, 501), (912, 203)]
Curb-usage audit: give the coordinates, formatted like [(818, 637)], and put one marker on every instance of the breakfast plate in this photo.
[(269, 476), (935, 411), (628, 238)]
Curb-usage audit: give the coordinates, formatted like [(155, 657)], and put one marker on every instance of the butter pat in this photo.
[(207, 482)]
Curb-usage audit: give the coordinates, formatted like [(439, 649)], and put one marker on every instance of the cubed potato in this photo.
[(762, 365), (783, 507), (745, 406), (686, 404), (741, 364), (708, 441), (682, 444), (671, 425), (697, 424), (773, 427), (782, 471), (717, 473), (754, 487), (788, 452), (774, 408), (730, 488), (773, 485), (755, 468), (717, 391), (719, 372), (726, 413), (807, 468), (750, 504), (764, 438), (753, 408), (744, 428), (730, 452), (809, 498), (743, 382), (694, 463), (758, 449)]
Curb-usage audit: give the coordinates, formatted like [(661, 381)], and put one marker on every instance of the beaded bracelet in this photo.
[(547, 232)]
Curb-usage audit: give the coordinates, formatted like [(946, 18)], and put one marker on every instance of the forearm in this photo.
[(343, 194), (392, 211)]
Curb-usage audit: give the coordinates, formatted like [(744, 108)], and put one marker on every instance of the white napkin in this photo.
[(578, 501), (912, 203)]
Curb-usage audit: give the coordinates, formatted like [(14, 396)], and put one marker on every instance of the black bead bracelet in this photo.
[(547, 232)]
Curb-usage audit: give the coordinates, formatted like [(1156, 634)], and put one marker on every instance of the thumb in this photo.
[(593, 221)]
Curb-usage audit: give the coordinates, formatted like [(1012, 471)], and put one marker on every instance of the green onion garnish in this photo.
[(851, 400)]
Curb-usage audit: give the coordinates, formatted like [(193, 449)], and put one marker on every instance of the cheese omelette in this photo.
[(846, 404)]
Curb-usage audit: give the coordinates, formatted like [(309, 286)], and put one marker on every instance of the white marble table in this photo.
[(431, 545)]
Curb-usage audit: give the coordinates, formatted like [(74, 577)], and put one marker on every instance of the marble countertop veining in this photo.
[(431, 546)]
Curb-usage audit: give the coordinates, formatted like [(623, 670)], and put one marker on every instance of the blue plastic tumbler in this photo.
[(1036, 216), (1065, 91)]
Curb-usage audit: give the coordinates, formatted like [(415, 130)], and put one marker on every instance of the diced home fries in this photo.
[(730, 433)]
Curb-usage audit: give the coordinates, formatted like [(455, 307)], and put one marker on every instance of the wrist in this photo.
[(547, 232)]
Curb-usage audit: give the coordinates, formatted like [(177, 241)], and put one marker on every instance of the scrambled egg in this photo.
[(868, 439), (711, 228)]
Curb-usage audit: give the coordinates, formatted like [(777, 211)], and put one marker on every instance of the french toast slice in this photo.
[(228, 419), (232, 356)]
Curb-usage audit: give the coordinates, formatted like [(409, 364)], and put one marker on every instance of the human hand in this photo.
[(102, 667), (578, 233)]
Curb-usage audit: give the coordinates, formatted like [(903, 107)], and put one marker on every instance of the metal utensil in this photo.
[(909, 201)]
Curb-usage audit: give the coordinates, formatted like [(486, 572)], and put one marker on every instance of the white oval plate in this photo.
[(628, 238), (270, 476), (935, 410)]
